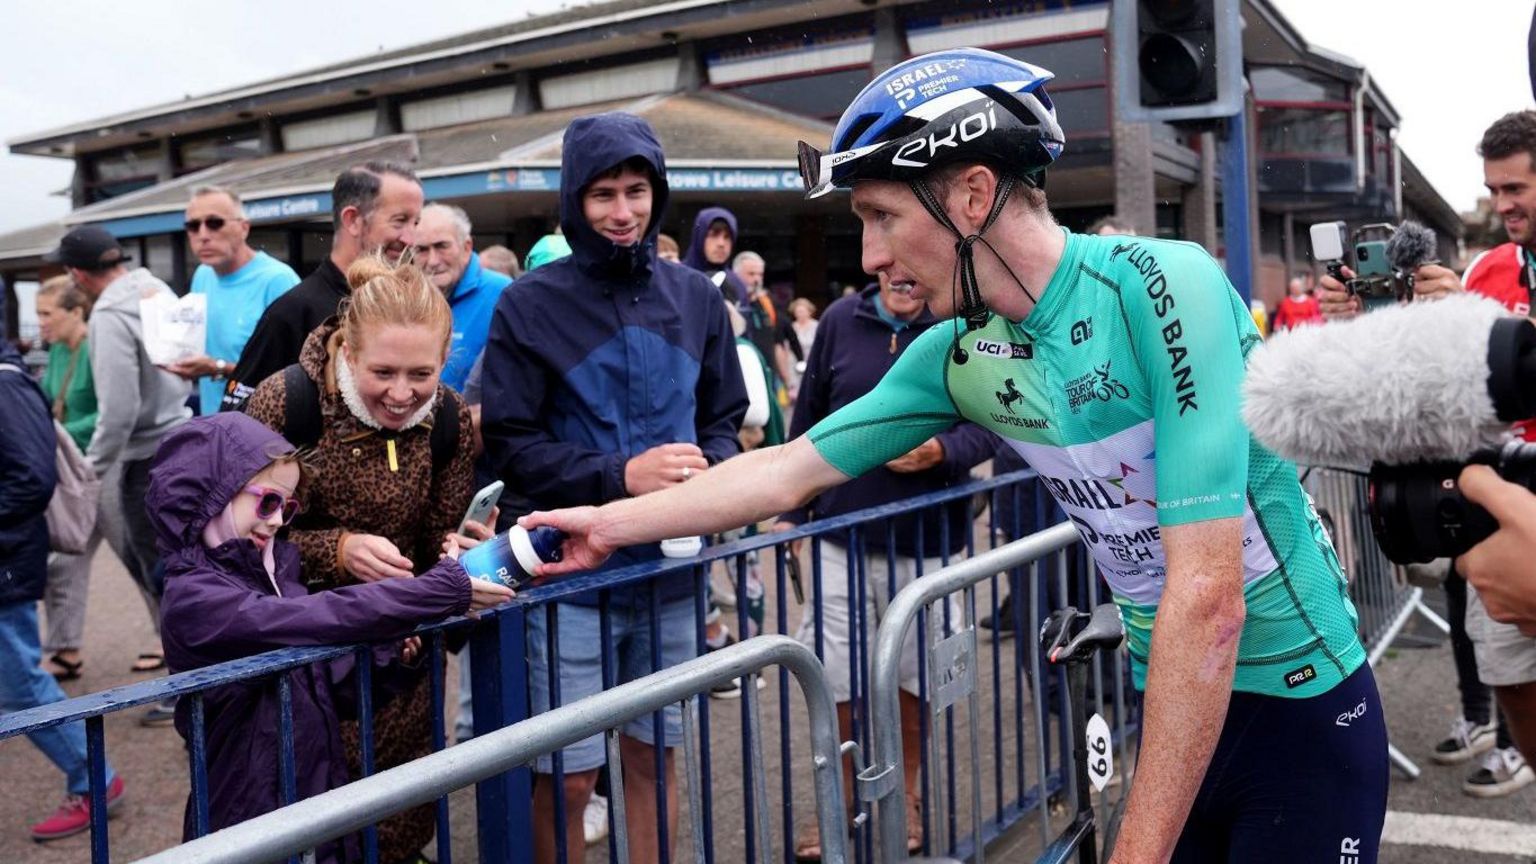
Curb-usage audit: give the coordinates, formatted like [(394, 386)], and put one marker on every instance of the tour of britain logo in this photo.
[(1096, 385)]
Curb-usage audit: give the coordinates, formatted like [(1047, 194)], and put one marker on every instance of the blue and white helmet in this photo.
[(939, 108)]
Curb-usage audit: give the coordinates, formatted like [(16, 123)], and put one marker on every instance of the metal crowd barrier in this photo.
[(302, 826), (1377, 587), (500, 676), (952, 662)]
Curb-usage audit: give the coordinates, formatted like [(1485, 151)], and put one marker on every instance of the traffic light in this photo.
[(1177, 59)]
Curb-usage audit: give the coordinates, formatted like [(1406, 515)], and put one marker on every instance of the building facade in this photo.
[(730, 86)]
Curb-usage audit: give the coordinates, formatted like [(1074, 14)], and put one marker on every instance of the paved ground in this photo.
[(1432, 820)]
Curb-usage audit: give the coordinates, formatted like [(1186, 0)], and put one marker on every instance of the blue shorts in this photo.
[(581, 665), (1294, 780)]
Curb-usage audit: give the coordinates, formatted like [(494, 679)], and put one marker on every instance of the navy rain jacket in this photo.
[(27, 478), (602, 355)]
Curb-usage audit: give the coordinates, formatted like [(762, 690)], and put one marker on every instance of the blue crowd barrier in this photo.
[(1017, 505)]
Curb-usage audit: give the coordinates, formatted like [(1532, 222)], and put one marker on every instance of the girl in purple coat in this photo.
[(220, 489)]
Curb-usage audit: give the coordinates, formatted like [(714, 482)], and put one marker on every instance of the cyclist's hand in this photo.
[(921, 458)]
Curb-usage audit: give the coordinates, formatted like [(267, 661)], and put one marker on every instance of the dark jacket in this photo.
[(280, 334), (220, 605), (854, 348), (600, 356), (731, 286), (27, 478)]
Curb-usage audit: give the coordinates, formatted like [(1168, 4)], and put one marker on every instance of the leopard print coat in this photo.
[(350, 487)]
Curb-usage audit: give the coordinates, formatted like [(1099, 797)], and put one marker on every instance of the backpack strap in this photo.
[(302, 423), (445, 434)]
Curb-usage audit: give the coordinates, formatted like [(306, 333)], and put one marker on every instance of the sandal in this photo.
[(65, 670), (149, 661)]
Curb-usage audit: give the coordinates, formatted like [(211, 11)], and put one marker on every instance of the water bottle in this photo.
[(510, 557)]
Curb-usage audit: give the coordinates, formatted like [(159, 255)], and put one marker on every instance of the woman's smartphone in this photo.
[(482, 504)]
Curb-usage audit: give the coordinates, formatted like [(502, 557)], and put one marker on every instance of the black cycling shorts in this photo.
[(1294, 780)]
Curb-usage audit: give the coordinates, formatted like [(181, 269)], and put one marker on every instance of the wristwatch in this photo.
[(220, 368)]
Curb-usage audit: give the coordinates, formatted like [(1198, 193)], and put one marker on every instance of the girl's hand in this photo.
[(410, 649)]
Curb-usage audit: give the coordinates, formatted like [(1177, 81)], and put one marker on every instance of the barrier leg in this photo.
[(503, 803)]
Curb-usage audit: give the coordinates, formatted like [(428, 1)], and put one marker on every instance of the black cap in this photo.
[(88, 247)]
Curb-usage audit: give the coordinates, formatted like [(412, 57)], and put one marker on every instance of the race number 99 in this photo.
[(1101, 760)]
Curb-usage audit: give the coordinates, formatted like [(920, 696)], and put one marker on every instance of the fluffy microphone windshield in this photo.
[(1410, 246), (1402, 384)]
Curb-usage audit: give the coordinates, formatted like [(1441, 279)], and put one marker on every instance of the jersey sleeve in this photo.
[(1190, 333), (910, 405)]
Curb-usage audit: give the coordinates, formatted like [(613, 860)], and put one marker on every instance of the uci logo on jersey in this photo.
[(1005, 350)]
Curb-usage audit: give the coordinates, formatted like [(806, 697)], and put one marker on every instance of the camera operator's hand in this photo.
[(1501, 567), (1334, 299), (1432, 282)]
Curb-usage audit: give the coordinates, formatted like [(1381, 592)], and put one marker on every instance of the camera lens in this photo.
[(1362, 253)]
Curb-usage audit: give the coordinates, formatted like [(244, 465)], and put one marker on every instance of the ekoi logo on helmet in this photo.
[(964, 130)]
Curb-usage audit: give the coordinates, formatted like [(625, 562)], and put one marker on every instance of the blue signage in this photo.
[(317, 205)]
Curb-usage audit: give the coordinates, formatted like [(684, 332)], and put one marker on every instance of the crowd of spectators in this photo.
[(300, 479)]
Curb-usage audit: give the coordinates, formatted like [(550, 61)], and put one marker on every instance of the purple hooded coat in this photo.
[(219, 605)]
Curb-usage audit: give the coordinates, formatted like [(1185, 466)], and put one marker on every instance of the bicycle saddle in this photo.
[(1069, 635)]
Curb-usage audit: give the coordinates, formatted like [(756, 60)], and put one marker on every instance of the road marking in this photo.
[(1489, 836)]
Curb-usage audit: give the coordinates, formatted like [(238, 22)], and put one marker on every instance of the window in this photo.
[(1073, 61), (122, 171), (199, 153), (1296, 84), (126, 164), (1304, 130), (824, 95), (615, 82), (328, 131), (458, 108), (1082, 111)]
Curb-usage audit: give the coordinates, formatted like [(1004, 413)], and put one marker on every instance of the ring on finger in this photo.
[(687, 472)]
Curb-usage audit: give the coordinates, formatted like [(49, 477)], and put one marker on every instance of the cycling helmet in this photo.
[(949, 106), (936, 109)]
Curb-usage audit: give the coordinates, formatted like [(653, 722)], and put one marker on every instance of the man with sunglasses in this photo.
[(240, 283), (1112, 365)]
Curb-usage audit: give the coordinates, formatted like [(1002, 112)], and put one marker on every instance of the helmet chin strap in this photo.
[(971, 307)]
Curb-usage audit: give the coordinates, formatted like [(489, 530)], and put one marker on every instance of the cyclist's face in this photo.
[(904, 243)]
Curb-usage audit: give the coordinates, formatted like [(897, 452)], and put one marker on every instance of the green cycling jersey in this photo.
[(1121, 390)]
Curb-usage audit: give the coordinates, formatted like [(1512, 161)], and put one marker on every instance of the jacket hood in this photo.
[(591, 146), (695, 255), (123, 295), (200, 467)]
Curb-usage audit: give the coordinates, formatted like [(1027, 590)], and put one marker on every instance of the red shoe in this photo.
[(74, 815)]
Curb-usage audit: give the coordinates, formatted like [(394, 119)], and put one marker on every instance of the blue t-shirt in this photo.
[(473, 300), (235, 304)]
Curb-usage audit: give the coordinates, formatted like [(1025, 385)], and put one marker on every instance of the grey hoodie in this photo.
[(137, 401)]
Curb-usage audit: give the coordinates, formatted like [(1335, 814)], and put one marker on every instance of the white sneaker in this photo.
[(1466, 741), (594, 822), (1504, 771)]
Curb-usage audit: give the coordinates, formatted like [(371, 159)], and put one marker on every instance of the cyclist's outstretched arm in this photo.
[(1189, 683), (739, 491)]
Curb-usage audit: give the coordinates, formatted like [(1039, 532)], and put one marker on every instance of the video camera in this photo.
[(1417, 510), (1385, 257)]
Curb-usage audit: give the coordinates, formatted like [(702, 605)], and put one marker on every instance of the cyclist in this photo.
[(1125, 354)]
